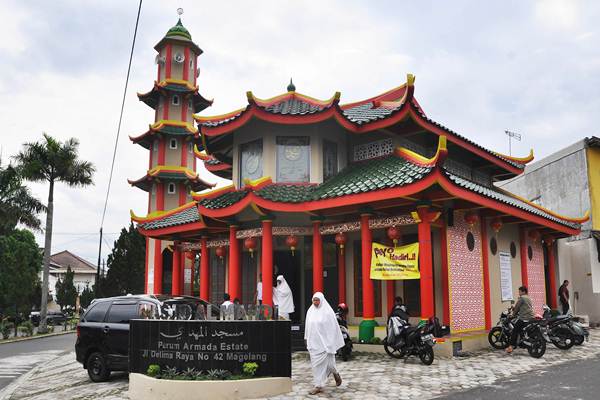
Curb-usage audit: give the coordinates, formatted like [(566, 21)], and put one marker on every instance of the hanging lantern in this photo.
[(340, 240), (471, 218), (534, 234), (220, 252), (394, 234), (292, 242), (250, 244), (496, 224), (548, 240)]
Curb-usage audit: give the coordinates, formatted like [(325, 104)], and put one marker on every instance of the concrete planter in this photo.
[(142, 387)]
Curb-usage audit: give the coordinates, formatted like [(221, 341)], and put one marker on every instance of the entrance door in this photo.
[(249, 265), (167, 282), (288, 265)]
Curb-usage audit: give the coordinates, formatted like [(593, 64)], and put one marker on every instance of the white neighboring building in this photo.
[(84, 273)]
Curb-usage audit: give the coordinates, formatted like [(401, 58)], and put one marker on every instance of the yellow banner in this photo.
[(395, 263)]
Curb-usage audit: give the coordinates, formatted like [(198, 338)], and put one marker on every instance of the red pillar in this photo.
[(551, 271), (426, 262), (266, 260), (234, 284), (487, 307), (342, 275), (204, 271), (368, 292), (176, 276), (158, 267), (193, 261), (523, 246), (182, 272), (445, 285), (147, 263), (317, 258)]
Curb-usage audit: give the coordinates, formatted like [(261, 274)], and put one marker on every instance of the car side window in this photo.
[(122, 313), (97, 312)]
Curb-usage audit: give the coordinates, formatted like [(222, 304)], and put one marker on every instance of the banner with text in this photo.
[(395, 263)]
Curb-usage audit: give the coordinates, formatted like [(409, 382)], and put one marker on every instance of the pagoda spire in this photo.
[(291, 87)]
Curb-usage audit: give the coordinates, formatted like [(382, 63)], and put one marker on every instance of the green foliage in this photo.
[(86, 297), (153, 370), (126, 264), (169, 373), (6, 328), (17, 205), (66, 293), (20, 263), (250, 368), (218, 374), (26, 328), (375, 340)]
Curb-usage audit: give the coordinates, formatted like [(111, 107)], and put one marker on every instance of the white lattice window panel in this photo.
[(375, 149)]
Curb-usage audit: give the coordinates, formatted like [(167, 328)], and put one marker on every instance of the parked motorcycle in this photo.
[(556, 329), (346, 351), (580, 333), (531, 337), (404, 340)]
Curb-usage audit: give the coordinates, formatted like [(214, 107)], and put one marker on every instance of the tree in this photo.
[(51, 161), (17, 205), (66, 292), (86, 297), (20, 264), (126, 267)]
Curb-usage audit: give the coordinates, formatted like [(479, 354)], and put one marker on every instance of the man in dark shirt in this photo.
[(523, 310), (563, 296), (399, 309)]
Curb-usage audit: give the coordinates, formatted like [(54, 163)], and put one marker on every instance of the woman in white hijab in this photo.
[(283, 298), (323, 339)]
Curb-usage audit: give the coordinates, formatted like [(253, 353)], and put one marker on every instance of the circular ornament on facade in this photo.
[(470, 241), (513, 250), (493, 246), (179, 57), (252, 164), (529, 253), (292, 153)]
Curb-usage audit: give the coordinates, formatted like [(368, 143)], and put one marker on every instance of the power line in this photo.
[(112, 165)]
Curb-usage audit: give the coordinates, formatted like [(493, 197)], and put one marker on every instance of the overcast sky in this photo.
[(529, 66)]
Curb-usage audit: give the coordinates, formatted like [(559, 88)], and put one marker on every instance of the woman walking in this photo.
[(323, 339)]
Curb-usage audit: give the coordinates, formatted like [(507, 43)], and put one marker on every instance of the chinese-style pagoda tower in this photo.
[(171, 174)]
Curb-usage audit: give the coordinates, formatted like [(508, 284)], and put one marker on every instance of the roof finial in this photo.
[(180, 13), (291, 87)]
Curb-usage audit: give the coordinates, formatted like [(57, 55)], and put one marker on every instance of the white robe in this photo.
[(323, 339), (283, 298)]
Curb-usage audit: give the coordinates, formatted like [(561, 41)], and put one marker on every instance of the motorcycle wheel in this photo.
[(537, 348), (426, 355), (497, 338), (578, 340), (392, 352), (563, 339)]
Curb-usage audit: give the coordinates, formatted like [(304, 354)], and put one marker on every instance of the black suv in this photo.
[(102, 342)]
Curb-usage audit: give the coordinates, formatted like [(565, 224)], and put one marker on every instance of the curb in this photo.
[(22, 339)]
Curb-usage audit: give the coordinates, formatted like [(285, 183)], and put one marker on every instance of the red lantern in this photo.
[(471, 218), (548, 240), (496, 224), (534, 234), (340, 240), (292, 242), (250, 244), (220, 251), (394, 234)]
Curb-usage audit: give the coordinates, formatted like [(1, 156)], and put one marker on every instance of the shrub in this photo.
[(6, 327), (191, 374), (375, 340), (169, 373), (153, 370), (72, 323), (26, 328), (250, 368), (218, 374)]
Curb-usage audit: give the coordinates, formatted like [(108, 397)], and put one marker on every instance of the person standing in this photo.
[(283, 297), (258, 293), (323, 339), (563, 296)]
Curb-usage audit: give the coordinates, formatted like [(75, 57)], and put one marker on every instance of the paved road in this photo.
[(577, 380), (19, 357)]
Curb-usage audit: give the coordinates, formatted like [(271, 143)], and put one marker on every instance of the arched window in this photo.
[(173, 144), (171, 188), (175, 100)]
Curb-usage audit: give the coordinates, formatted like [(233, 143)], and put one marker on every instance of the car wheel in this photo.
[(97, 368)]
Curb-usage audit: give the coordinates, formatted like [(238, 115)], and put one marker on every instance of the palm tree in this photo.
[(51, 161), (17, 205)]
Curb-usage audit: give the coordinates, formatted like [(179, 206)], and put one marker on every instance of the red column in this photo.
[(204, 271), (147, 263), (551, 271), (523, 246), (181, 272), (266, 260), (234, 283), (317, 258), (426, 262), (390, 291), (368, 293), (193, 259), (445, 285), (158, 267), (176, 276), (487, 307), (342, 276)]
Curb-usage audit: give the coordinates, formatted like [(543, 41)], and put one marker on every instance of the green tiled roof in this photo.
[(224, 200), (179, 30), (186, 216), (287, 193)]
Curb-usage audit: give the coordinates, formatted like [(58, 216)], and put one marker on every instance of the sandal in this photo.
[(338, 379), (315, 391)]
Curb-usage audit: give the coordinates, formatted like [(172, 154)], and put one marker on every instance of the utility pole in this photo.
[(512, 135), (96, 287)]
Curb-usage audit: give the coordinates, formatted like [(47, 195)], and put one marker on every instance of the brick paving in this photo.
[(366, 376)]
